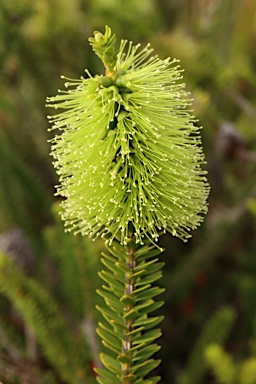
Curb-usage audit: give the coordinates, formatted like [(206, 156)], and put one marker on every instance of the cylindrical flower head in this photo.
[(129, 156)]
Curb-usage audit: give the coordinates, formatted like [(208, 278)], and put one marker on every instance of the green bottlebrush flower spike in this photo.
[(129, 154), (129, 162)]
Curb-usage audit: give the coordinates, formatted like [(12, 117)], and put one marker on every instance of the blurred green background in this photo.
[(48, 278)]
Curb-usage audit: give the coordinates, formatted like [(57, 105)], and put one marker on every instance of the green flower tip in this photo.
[(103, 46), (128, 154)]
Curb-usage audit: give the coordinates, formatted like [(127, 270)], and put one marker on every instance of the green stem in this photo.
[(129, 297), (128, 291)]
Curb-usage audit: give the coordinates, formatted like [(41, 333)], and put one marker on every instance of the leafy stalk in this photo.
[(127, 330)]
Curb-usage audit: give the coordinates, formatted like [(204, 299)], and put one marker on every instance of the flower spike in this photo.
[(129, 156)]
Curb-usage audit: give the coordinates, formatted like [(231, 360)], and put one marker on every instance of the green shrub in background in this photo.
[(226, 370), (41, 314), (217, 328), (63, 342)]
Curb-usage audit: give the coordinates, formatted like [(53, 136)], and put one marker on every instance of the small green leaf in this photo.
[(107, 294), (104, 380), (107, 288), (107, 313), (149, 279), (137, 347), (148, 337), (111, 300), (107, 345), (148, 322), (115, 306), (147, 252), (146, 367), (135, 331), (146, 352), (152, 380), (145, 304), (116, 246), (141, 289), (124, 359), (131, 315), (117, 286), (123, 267), (138, 274), (112, 267), (152, 307), (113, 341), (110, 320), (116, 250), (109, 257), (154, 268), (109, 362), (128, 300), (108, 375), (110, 329), (150, 293), (119, 325), (145, 264), (128, 378), (118, 277)]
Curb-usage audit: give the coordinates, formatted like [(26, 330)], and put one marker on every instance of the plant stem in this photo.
[(128, 290), (128, 330)]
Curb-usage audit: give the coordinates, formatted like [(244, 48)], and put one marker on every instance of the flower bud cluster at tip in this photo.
[(129, 153), (104, 47)]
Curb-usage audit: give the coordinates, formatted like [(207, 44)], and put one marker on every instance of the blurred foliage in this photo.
[(40, 313), (215, 272), (217, 328), (226, 370)]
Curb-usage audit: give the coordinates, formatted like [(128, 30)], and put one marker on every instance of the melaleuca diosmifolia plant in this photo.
[(129, 157)]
